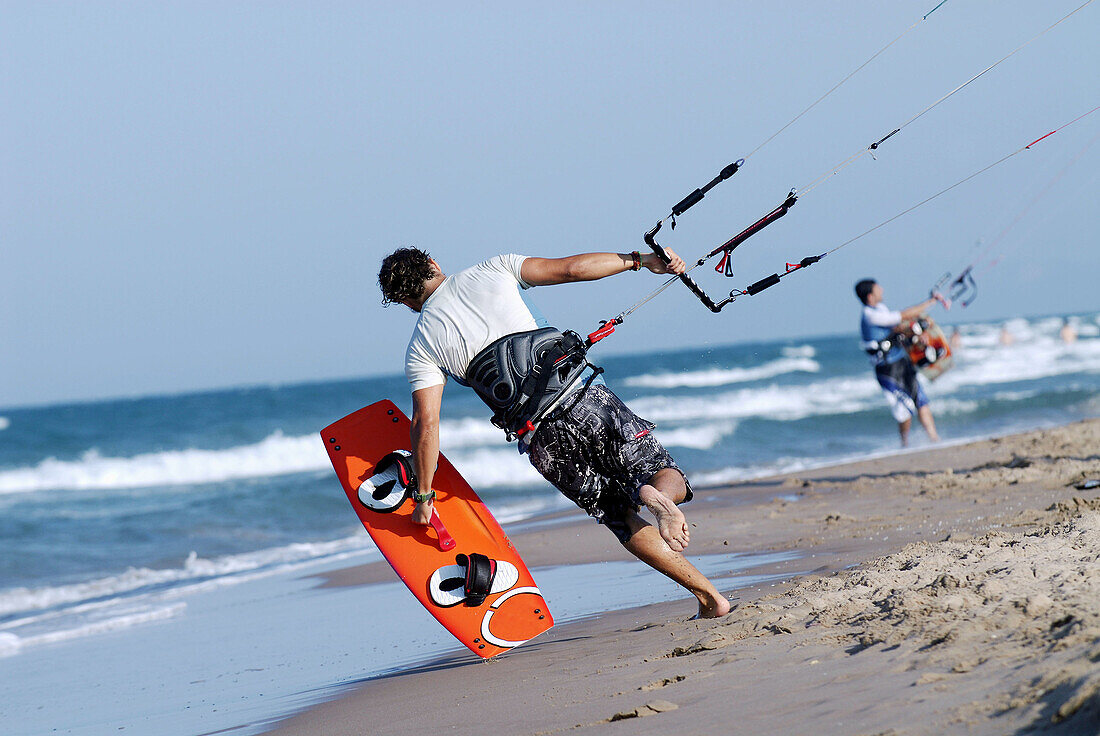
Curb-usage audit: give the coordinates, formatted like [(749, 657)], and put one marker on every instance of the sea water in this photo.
[(120, 519)]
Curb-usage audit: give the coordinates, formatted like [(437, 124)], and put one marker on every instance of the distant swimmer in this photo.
[(476, 327), (1067, 333), (1006, 337), (956, 340), (893, 369)]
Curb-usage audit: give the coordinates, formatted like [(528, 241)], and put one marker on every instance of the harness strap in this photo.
[(566, 353)]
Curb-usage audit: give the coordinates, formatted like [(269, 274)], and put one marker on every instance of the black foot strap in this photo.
[(403, 461), (480, 571)]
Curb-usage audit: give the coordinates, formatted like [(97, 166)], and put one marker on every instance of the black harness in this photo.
[(522, 376)]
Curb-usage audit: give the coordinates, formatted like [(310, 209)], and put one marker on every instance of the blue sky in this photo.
[(198, 194)]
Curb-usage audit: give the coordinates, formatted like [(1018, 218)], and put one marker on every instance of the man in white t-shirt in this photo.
[(475, 327)]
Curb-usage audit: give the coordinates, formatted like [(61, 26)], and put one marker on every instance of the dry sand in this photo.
[(953, 591)]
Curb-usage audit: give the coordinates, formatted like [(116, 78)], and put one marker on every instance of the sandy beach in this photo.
[(952, 590)]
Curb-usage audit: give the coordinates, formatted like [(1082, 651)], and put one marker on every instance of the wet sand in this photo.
[(954, 590)]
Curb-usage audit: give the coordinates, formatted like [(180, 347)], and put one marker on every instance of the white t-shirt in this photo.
[(469, 310), (881, 315)]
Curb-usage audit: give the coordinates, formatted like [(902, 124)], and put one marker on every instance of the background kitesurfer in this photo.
[(879, 328), (588, 444)]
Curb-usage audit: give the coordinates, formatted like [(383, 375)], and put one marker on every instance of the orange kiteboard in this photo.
[(462, 568)]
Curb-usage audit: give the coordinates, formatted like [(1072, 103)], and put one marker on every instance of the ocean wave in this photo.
[(4, 423), (799, 351), (725, 376), (956, 406), (194, 568), (832, 396), (469, 432), (490, 467), (701, 437), (12, 644), (34, 616), (475, 447), (786, 465), (275, 455), (1042, 356)]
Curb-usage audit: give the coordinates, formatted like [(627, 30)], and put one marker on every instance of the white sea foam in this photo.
[(785, 465), (4, 424), (735, 474), (469, 432), (490, 467), (475, 447), (194, 568), (832, 396), (1040, 356), (275, 455), (726, 376), (11, 644), (799, 351), (956, 406), (1085, 329), (701, 437)]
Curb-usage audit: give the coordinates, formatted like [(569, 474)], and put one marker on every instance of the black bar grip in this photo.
[(762, 284), (687, 202), (651, 241), (706, 300)]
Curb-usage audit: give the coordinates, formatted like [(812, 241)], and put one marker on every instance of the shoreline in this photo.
[(769, 663)]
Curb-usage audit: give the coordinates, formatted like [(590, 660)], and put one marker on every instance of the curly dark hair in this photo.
[(403, 274)]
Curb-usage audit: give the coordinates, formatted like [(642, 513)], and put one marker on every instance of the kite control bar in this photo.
[(688, 281), (962, 289), (726, 248), (607, 326)]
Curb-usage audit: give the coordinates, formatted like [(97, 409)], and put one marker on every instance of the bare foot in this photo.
[(715, 608), (670, 520)]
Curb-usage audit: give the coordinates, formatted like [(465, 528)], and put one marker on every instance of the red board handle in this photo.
[(446, 541)]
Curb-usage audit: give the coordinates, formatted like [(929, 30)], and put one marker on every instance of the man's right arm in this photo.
[(592, 266), (910, 313), (425, 444)]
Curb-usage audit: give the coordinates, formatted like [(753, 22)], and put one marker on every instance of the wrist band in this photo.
[(419, 497), (637, 258)]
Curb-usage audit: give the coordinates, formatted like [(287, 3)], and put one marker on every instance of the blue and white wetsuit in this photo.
[(895, 373)]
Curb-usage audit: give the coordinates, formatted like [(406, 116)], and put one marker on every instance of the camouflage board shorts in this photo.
[(598, 453)]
